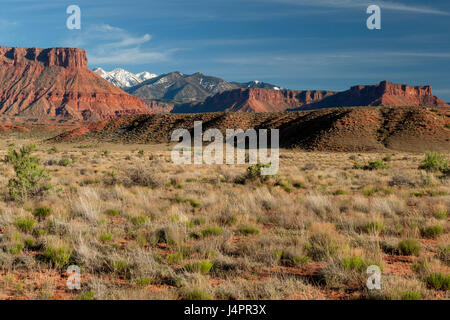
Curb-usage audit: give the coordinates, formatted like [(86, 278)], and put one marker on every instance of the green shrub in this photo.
[(409, 247), (59, 256), (374, 227), (369, 192), (42, 212), (144, 282), (434, 161), (320, 246), (106, 237), (254, 172), (112, 212), (291, 260), (212, 231), (411, 295), (440, 214), (30, 180), (29, 242), (194, 203), (120, 266), (89, 295), (139, 220), (431, 232), (173, 258), (25, 224), (64, 162), (195, 294), (354, 263), (340, 192), (438, 281), (248, 230), (16, 248), (372, 165), (202, 267)]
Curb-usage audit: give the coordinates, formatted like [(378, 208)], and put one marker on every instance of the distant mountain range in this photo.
[(174, 87), (123, 78)]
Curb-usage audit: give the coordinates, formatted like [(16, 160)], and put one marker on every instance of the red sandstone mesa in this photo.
[(255, 100), (265, 100), (56, 83)]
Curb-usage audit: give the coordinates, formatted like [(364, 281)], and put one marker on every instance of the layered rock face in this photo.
[(383, 94), (255, 100), (56, 83), (264, 100)]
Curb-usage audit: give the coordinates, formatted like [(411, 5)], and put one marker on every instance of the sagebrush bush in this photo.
[(431, 232), (438, 281), (42, 212), (202, 267), (25, 224), (31, 180), (59, 256), (409, 247), (434, 161)]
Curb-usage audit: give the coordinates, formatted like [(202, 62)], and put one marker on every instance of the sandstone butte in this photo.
[(264, 100), (56, 83)]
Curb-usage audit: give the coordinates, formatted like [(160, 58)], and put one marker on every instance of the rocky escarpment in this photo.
[(264, 100), (56, 83), (255, 100), (382, 94)]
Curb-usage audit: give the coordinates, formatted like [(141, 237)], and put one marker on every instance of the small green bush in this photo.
[(144, 282), (16, 248), (64, 162), (411, 295), (31, 180), (434, 161), (409, 247), (440, 214), (59, 256), (25, 224), (196, 294), (139, 220), (106, 237), (202, 267), (431, 232), (42, 212), (372, 165), (374, 227), (248, 230), (89, 295), (438, 281), (354, 263), (321, 246), (212, 231), (112, 212), (254, 172)]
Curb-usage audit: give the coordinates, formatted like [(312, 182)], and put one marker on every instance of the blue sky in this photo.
[(297, 44)]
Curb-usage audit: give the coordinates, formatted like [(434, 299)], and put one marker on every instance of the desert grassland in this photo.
[(140, 227)]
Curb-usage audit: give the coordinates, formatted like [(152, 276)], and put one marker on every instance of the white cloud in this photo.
[(391, 5), (107, 44)]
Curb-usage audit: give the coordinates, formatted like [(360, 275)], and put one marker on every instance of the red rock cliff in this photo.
[(255, 100), (56, 83), (383, 94)]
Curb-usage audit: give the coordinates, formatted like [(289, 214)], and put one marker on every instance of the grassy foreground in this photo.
[(140, 227)]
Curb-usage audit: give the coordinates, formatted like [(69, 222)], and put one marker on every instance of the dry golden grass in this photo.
[(140, 227)]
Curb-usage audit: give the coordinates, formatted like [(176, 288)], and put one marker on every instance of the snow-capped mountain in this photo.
[(178, 87), (123, 78), (257, 84)]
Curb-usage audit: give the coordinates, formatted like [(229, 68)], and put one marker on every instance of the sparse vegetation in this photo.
[(150, 229)]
